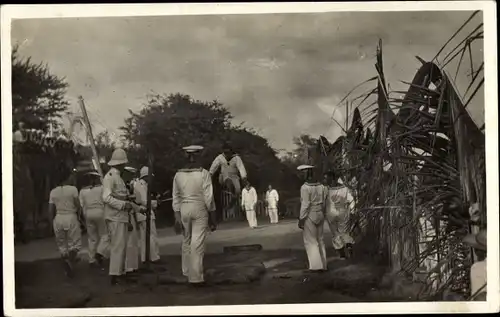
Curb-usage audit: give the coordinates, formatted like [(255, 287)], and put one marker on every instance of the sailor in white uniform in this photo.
[(194, 207), (93, 210), (312, 219)]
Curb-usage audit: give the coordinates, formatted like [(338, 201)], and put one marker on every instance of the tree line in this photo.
[(164, 124)]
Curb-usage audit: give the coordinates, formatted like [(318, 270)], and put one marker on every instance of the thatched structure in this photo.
[(415, 176)]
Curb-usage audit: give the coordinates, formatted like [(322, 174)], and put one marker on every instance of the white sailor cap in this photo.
[(193, 148), (93, 173), (305, 167), (130, 169)]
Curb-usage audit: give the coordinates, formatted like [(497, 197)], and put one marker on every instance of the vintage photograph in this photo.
[(235, 159)]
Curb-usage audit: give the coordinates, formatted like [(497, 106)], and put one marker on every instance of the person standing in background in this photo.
[(116, 211), (248, 202), (339, 208), (93, 210), (312, 219), (141, 198), (64, 208), (272, 199), (194, 208)]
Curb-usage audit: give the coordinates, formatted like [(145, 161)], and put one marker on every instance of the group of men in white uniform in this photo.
[(319, 203), (114, 217), (116, 221)]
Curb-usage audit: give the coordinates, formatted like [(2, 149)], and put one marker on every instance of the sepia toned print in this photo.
[(235, 159)]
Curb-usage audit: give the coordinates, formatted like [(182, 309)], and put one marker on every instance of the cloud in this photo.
[(279, 73)]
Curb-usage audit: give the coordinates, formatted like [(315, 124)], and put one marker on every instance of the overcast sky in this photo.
[(281, 74)]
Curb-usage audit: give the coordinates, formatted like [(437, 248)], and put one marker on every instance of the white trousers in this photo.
[(339, 227), (273, 214), (314, 244), (67, 233), (251, 217), (154, 248), (133, 248), (118, 246), (195, 222), (97, 232)]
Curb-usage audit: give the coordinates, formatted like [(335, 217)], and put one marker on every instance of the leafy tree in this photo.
[(169, 122), (38, 97)]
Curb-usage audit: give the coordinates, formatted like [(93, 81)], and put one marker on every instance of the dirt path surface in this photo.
[(284, 235), (273, 275)]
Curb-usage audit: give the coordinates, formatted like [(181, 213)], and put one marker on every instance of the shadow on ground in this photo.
[(253, 277)]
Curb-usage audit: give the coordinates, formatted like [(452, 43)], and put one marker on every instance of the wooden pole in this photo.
[(90, 135)]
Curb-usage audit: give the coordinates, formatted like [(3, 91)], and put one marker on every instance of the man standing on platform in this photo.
[(248, 203), (230, 165), (194, 208)]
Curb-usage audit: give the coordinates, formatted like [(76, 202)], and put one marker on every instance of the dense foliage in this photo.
[(166, 123), (38, 97)]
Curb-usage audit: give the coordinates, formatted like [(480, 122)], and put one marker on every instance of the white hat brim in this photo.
[(304, 167), (117, 162), (193, 148)]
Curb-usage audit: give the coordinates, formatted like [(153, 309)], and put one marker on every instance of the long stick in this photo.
[(90, 135), (148, 210)]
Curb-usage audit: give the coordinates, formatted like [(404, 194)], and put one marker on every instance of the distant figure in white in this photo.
[(231, 169), (194, 208), (64, 207), (312, 219), (141, 197), (93, 210), (272, 199), (340, 205), (248, 203)]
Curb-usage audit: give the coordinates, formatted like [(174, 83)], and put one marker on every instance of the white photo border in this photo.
[(11, 12)]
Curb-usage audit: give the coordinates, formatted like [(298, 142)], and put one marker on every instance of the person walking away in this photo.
[(64, 207), (230, 165), (339, 207), (248, 203), (141, 193), (93, 210), (116, 211), (478, 269), (312, 219), (194, 208), (272, 199)]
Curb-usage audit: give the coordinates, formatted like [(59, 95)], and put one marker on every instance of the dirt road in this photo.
[(271, 276)]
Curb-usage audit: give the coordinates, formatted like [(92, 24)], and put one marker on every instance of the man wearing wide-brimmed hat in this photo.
[(478, 270), (194, 207), (141, 198), (93, 210), (313, 196), (116, 209)]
